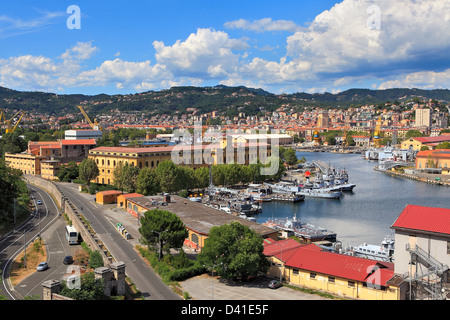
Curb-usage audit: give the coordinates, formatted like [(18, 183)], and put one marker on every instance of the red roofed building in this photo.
[(418, 142), (307, 265), (44, 158), (422, 251)]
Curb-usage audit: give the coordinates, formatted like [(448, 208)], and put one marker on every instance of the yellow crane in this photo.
[(9, 127), (94, 125), (377, 134), (316, 137)]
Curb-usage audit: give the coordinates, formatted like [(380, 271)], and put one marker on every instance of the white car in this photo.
[(39, 202), (42, 266)]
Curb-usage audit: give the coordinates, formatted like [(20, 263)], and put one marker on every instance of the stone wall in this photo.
[(113, 279)]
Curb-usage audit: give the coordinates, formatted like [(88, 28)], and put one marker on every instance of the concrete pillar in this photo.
[(106, 275), (49, 288), (118, 269)]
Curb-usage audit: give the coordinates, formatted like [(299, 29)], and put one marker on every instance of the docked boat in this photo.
[(320, 193), (283, 187), (262, 197), (383, 252), (225, 208), (302, 230), (288, 197), (336, 180)]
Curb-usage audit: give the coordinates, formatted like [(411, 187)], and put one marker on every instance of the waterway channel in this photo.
[(367, 213)]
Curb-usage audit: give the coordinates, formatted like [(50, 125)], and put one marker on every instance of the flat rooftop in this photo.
[(201, 218)]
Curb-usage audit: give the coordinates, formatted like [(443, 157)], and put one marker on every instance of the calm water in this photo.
[(367, 213)]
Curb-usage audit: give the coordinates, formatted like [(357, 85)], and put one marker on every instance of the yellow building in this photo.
[(431, 142), (50, 169), (107, 158), (346, 276), (25, 162), (45, 157), (437, 161)]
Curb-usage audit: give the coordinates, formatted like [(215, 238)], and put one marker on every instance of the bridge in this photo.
[(322, 165), (388, 165)]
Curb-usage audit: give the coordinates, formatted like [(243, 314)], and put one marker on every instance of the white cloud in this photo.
[(337, 49), (202, 54), (339, 39), (41, 73), (263, 25), (10, 26), (124, 74), (422, 80), (81, 51)]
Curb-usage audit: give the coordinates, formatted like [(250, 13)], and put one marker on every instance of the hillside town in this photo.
[(407, 139)]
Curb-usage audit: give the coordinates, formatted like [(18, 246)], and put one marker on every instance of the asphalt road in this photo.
[(13, 243), (143, 276)]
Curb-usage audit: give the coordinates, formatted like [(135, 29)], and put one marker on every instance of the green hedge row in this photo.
[(167, 272)]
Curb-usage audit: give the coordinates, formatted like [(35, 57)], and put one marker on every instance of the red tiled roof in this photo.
[(432, 139), (424, 219), (439, 153), (353, 268), (132, 195), (109, 192), (78, 142), (275, 248)]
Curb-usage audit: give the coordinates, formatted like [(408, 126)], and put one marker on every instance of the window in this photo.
[(312, 275), (332, 279), (295, 272), (351, 284), (448, 247)]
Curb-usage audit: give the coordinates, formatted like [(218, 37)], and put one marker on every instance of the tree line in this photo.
[(168, 177)]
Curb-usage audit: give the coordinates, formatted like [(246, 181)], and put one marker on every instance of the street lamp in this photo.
[(212, 277), (281, 258)]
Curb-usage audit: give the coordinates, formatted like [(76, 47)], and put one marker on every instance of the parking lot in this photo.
[(205, 288)]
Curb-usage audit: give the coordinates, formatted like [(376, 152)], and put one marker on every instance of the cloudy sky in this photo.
[(287, 46)]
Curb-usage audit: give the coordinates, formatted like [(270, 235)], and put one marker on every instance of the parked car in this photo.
[(274, 284), (39, 202), (42, 266), (68, 260)]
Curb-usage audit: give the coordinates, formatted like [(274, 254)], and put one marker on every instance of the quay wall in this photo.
[(413, 177)]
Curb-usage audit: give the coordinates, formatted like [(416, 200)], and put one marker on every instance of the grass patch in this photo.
[(36, 254), (312, 291)]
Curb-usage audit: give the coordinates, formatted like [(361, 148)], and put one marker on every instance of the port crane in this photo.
[(316, 137), (95, 125), (377, 133), (10, 128)]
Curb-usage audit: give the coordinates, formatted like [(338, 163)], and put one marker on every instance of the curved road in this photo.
[(47, 222), (143, 276), (44, 216)]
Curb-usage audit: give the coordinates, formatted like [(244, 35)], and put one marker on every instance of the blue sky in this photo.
[(280, 46)]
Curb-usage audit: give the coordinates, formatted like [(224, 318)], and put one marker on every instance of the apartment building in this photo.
[(423, 118), (422, 252)]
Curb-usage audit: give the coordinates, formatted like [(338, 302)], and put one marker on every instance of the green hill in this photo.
[(227, 100)]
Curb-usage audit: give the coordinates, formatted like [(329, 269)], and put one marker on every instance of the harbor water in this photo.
[(367, 213)]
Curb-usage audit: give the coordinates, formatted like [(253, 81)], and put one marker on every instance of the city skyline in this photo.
[(288, 46)]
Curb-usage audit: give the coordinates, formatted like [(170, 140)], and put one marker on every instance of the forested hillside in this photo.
[(227, 100)]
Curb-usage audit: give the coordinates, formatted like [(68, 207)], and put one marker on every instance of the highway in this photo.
[(12, 244), (143, 276), (47, 221)]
